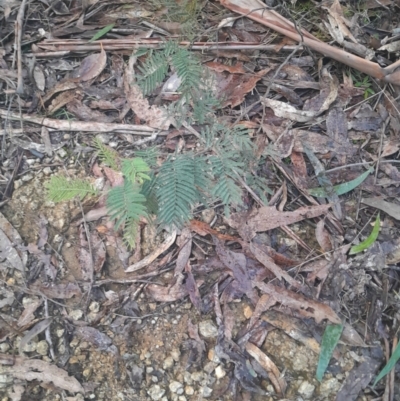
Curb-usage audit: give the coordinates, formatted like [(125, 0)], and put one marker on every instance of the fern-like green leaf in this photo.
[(135, 170), (125, 204), (131, 228), (107, 155), (149, 191), (176, 190), (153, 71), (149, 155), (61, 188), (189, 70), (225, 187)]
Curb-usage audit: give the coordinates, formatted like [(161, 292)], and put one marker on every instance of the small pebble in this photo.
[(207, 391), (189, 390), (220, 372), (42, 348), (155, 392), (168, 362), (174, 386), (208, 329)]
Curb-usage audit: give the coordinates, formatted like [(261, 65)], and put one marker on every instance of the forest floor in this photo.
[(265, 262)]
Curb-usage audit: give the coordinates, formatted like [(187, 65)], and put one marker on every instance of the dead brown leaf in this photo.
[(392, 209), (56, 291), (219, 67), (43, 372), (92, 66), (274, 375), (154, 116), (267, 218), (268, 262), (306, 307), (323, 237), (234, 87), (85, 113)]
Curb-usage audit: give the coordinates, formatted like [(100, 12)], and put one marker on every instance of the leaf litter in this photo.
[(273, 274)]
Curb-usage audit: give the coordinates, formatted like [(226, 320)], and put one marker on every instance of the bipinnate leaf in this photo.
[(61, 188), (330, 339), (126, 205), (176, 190), (107, 155), (135, 170), (369, 241), (390, 365), (342, 188)]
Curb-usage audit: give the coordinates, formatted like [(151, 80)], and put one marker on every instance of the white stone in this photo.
[(174, 386), (42, 348), (155, 392), (208, 329), (220, 372), (306, 389)]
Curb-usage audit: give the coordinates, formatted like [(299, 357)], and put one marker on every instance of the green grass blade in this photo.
[(341, 188), (390, 365), (102, 32), (330, 339), (369, 241)]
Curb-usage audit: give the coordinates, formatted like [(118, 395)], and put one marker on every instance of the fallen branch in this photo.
[(59, 48), (257, 11), (82, 126)]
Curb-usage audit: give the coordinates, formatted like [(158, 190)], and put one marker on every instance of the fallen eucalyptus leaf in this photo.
[(330, 339), (341, 188)]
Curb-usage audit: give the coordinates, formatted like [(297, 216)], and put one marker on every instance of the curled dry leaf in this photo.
[(41, 371), (275, 376)]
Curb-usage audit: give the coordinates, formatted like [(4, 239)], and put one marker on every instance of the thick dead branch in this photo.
[(257, 11)]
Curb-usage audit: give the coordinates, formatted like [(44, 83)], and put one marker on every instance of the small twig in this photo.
[(18, 39), (47, 331)]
